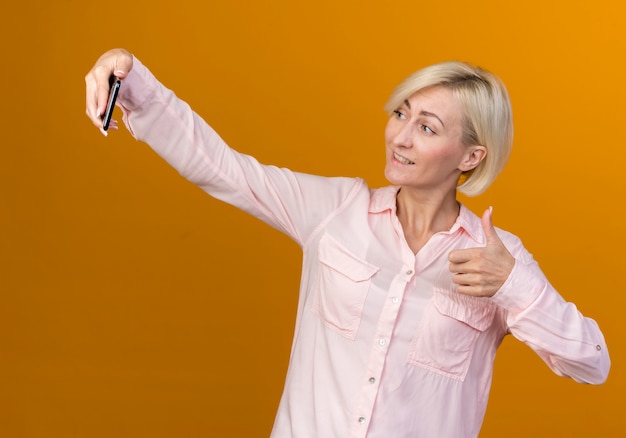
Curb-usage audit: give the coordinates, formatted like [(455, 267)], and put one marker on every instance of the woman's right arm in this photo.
[(292, 202)]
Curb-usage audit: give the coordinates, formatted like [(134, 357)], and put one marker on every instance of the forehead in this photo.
[(437, 100)]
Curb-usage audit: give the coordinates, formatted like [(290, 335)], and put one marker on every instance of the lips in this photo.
[(402, 159)]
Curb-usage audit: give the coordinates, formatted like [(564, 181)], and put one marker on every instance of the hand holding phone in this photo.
[(114, 88)]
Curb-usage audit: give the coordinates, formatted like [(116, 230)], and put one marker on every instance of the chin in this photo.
[(392, 178)]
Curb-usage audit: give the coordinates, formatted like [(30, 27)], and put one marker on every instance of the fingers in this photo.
[(477, 283), (460, 256), (477, 289), (118, 62), (467, 261)]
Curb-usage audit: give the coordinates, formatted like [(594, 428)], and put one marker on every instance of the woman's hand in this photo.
[(116, 62), (482, 271)]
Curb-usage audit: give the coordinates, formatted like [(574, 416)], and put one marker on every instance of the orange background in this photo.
[(132, 305)]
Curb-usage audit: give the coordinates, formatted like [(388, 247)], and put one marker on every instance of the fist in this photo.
[(116, 62), (482, 271)]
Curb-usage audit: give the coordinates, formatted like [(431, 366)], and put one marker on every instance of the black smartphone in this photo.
[(114, 88)]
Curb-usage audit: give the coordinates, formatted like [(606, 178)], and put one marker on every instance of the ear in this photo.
[(472, 158)]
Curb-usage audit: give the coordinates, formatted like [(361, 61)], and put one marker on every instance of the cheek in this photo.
[(447, 154)]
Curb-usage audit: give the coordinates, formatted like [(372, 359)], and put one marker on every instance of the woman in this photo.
[(405, 294)]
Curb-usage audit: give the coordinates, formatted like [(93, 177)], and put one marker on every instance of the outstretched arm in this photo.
[(292, 202)]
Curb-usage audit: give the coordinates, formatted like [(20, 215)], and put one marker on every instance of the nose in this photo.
[(400, 134)]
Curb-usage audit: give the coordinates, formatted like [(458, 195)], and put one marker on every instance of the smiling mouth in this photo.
[(401, 159)]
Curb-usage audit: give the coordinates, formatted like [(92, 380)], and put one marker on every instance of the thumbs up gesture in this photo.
[(482, 271)]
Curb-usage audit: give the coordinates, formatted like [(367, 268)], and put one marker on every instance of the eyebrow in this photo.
[(425, 113)]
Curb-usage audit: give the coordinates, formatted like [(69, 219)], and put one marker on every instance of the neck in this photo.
[(423, 215)]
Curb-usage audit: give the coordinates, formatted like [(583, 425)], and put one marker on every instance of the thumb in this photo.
[(122, 67), (490, 231), (119, 62)]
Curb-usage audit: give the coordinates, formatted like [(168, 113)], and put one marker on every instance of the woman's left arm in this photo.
[(571, 344)]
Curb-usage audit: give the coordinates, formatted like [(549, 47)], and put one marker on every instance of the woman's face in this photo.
[(423, 139)]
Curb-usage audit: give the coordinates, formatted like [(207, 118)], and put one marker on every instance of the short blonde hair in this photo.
[(488, 118)]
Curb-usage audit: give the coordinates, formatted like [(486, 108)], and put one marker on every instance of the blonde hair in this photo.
[(487, 121)]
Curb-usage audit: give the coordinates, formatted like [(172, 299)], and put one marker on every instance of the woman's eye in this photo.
[(427, 130), (399, 114)]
